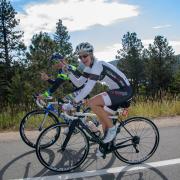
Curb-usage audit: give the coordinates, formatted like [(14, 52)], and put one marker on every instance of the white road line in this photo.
[(108, 171)]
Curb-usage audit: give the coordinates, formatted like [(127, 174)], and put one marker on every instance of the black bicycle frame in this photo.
[(108, 147)]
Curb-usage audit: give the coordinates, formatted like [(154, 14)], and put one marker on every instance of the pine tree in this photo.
[(12, 48), (11, 44), (159, 65), (62, 38), (130, 60), (40, 51)]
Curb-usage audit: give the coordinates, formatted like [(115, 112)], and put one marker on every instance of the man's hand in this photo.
[(44, 76)]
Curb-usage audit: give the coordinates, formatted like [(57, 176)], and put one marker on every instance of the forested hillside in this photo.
[(154, 72)]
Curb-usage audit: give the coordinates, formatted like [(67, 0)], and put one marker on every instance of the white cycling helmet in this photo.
[(84, 47)]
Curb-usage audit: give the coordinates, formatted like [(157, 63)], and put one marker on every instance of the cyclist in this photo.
[(58, 63), (103, 104)]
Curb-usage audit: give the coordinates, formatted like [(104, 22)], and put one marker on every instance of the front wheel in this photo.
[(57, 158), (33, 123), (141, 137)]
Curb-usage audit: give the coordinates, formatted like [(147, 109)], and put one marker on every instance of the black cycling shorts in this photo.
[(118, 96)]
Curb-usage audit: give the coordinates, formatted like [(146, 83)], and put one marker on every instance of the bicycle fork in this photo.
[(71, 130), (42, 124)]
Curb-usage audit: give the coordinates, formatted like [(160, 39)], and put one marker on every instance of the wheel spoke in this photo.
[(29, 127), (69, 158), (148, 135)]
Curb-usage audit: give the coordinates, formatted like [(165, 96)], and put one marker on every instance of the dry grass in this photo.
[(155, 108), (141, 108)]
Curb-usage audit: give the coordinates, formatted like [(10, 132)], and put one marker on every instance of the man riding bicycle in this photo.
[(103, 104), (58, 63)]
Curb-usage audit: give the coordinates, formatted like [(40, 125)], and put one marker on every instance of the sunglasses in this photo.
[(83, 56)]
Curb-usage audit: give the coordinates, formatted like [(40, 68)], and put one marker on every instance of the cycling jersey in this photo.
[(103, 72), (61, 78)]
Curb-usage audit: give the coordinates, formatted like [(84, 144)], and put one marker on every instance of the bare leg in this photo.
[(97, 106)]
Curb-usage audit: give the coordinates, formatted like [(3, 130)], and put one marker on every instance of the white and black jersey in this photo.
[(103, 72)]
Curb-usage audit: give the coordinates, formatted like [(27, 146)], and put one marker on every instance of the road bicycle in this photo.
[(34, 122), (136, 141)]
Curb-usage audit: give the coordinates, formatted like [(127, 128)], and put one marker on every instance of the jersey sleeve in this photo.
[(74, 70), (93, 77), (85, 91), (78, 82), (56, 84), (61, 77)]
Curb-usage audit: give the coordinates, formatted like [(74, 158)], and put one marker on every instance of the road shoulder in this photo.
[(173, 121)]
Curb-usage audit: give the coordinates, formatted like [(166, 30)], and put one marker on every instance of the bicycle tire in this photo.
[(48, 160), (28, 139), (135, 121)]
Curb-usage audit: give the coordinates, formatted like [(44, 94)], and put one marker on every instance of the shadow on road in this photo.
[(128, 173), (27, 166), (144, 172)]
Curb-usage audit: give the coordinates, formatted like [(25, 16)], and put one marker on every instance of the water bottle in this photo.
[(93, 128)]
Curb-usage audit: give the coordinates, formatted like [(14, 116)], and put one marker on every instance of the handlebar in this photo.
[(40, 102)]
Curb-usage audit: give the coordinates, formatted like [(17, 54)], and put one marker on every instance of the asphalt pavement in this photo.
[(18, 161)]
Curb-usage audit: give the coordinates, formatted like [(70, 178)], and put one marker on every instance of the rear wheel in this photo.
[(55, 157), (34, 123), (143, 134)]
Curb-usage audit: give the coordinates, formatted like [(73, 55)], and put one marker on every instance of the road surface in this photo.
[(18, 161)]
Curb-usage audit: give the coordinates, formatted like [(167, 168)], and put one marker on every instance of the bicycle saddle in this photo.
[(125, 104)]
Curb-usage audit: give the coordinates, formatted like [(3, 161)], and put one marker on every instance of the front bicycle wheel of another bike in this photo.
[(141, 138), (55, 157), (34, 123)]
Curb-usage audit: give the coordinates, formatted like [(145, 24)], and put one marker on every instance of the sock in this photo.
[(112, 128)]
